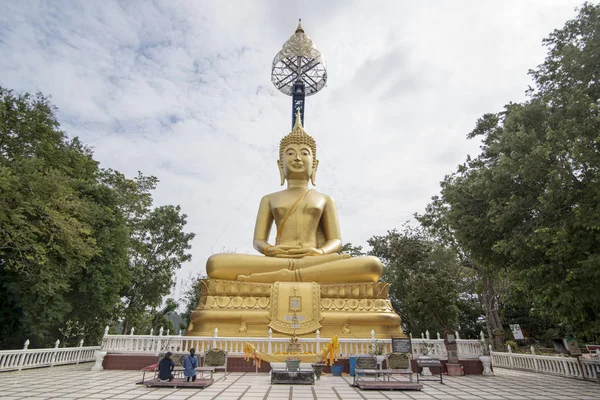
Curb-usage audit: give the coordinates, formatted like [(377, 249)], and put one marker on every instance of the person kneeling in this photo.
[(165, 368)]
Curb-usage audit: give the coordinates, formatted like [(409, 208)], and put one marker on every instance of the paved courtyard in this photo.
[(78, 382)]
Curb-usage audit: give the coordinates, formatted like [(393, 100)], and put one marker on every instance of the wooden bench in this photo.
[(592, 348), (367, 367), (205, 379), (430, 362)]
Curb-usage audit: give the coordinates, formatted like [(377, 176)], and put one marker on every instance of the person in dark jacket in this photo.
[(165, 368)]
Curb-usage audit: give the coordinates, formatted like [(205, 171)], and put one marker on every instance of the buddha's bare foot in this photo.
[(282, 275)]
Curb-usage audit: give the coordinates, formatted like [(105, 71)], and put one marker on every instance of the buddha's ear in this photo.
[(281, 174), (313, 176)]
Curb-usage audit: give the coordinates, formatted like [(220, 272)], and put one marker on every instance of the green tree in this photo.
[(353, 251), (191, 298), (57, 225), (526, 208), (158, 248), (428, 283)]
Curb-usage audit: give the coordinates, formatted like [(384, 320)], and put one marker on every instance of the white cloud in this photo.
[(181, 90)]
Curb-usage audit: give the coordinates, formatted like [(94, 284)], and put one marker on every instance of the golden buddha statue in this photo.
[(300, 277), (308, 233)]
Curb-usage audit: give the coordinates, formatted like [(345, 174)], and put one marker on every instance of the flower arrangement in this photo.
[(428, 348), (330, 351), (250, 352), (377, 348)]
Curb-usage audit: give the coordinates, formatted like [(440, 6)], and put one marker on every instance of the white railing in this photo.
[(11, 360), (569, 367), (467, 348)]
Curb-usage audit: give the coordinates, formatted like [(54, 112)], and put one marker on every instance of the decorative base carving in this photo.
[(345, 310)]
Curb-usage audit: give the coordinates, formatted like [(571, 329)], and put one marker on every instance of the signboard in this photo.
[(567, 346), (401, 345), (572, 346), (428, 362), (517, 332)]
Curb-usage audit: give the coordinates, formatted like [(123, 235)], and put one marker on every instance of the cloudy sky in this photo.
[(181, 90)]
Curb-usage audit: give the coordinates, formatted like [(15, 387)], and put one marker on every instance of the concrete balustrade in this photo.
[(11, 360), (570, 367), (467, 348)]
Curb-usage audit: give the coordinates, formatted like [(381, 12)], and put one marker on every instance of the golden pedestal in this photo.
[(244, 309)]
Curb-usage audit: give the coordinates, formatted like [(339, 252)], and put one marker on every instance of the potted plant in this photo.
[(428, 349), (318, 369), (378, 350), (292, 363), (485, 358)]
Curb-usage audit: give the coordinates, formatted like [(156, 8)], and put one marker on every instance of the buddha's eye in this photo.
[(305, 153)]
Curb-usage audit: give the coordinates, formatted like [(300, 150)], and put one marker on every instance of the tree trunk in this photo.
[(492, 312)]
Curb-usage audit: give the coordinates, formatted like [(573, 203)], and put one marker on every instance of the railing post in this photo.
[(535, 361), (482, 336), (438, 336), (151, 331), (427, 334), (159, 341), (54, 352), (318, 341), (79, 351), (457, 335), (132, 330), (215, 336), (510, 357), (269, 345), (24, 354)]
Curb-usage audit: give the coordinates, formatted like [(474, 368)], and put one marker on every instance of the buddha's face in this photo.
[(297, 162)]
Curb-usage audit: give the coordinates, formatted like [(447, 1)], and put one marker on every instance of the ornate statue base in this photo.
[(245, 309)]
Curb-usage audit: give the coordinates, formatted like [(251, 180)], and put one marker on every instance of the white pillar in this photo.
[(318, 341), (54, 352), (24, 354), (98, 357), (269, 344), (215, 336), (510, 356)]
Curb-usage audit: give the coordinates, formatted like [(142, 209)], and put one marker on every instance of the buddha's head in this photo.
[(297, 155)]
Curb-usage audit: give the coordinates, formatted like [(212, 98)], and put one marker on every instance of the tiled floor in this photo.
[(78, 382)]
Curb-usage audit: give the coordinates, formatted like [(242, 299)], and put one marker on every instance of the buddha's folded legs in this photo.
[(348, 270), (229, 266)]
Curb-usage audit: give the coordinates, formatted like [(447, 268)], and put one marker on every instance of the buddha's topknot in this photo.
[(298, 136)]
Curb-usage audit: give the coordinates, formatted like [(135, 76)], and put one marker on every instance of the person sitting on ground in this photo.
[(166, 367), (190, 363)]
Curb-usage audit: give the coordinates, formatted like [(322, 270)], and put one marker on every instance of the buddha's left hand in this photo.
[(306, 251)]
